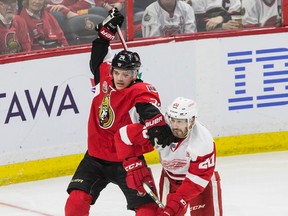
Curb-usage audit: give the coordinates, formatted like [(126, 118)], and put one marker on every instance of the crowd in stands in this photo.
[(41, 24)]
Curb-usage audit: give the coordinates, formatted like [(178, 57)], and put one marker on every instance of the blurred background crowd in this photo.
[(27, 25)]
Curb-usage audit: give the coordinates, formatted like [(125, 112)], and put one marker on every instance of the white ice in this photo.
[(252, 185)]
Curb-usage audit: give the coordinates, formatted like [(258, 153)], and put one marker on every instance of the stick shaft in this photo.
[(122, 38), (152, 195)]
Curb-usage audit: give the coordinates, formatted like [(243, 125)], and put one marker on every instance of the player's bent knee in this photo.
[(78, 203), (147, 209)]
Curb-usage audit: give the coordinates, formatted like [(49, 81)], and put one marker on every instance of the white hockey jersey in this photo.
[(191, 160), (202, 6), (158, 22), (232, 6), (177, 158), (260, 13)]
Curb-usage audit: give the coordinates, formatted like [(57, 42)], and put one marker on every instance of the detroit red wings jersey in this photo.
[(191, 161), (158, 22), (112, 109), (260, 13), (14, 38)]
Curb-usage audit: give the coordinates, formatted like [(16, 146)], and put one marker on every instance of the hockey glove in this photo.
[(158, 131), (176, 205), (137, 172), (108, 28)]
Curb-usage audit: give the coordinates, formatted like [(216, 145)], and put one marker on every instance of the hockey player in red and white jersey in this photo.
[(260, 13), (188, 177), (121, 99)]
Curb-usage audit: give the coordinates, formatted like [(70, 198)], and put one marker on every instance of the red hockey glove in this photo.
[(176, 205), (158, 131), (137, 172), (108, 28)]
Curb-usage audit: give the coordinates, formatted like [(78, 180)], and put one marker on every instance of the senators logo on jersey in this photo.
[(12, 45), (106, 113)]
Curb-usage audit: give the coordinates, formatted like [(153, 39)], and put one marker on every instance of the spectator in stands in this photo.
[(68, 8), (232, 6), (119, 4), (101, 7), (63, 10), (260, 13), (71, 8), (168, 17), (44, 29), (210, 15), (14, 36)]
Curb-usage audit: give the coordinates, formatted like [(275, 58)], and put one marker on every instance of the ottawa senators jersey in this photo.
[(191, 160), (112, 109), (132, 141), (73, 5), (14, 38), (44, 31)]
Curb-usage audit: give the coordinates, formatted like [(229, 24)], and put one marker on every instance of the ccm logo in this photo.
[(134, 166), (193, 208)]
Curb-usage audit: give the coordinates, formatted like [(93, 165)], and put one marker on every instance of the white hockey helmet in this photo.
[(182, 108)]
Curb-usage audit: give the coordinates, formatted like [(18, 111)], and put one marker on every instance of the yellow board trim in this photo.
[(66, 165)]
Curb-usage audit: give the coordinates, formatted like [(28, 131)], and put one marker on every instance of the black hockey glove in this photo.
[(108, 28), (158, 131)]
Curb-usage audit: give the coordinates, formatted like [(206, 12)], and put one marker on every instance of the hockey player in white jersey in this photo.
[(168, 17), (188, 179)]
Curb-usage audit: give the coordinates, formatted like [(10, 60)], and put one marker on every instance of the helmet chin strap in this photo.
[(135, 75), (190, 125)]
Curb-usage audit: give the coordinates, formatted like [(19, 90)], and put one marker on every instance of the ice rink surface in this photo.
[(252, 185)]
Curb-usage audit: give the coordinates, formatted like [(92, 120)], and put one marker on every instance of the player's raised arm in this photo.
[(100, 46)]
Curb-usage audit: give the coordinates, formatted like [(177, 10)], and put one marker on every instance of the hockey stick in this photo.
[(109, 7), (122, 38), (152, 195)]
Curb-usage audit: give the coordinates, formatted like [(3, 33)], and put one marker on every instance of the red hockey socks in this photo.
[(147, 209), (78, 203)]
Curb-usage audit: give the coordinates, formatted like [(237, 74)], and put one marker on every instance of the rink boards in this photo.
[(240, 84)]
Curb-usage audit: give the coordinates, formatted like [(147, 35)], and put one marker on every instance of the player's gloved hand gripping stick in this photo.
[(108, 28), (112, 24)]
